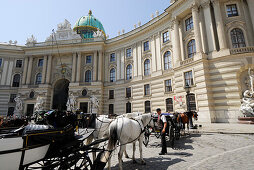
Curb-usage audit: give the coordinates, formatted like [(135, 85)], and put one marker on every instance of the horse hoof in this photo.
[(134, 161)]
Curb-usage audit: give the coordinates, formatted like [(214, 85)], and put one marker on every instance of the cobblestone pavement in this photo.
[(195, 151)]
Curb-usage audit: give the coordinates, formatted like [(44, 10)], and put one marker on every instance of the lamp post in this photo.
[(189, 112)]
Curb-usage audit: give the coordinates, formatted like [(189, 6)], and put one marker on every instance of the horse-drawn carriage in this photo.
[(51, 145)]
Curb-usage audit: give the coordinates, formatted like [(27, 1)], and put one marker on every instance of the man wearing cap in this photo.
[(162, 123)]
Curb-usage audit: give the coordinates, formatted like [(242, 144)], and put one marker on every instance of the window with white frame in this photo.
[(147, 89), (168, 85), (38, 78), (112, 75), (188, 24), (88, 76), (40, 62), (188, 78), (147, 107), (128, 52), (232, 10), (147, 67), (169, 105), (237, 38), (18, 63), (88, 59), (191, 48), (146, 46), (112, 57), (129, 72), (167, 60), (16, 80), (165, 37)]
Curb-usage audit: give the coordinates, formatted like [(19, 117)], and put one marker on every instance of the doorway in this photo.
[(60, 94), (84, 107), (30, 109)]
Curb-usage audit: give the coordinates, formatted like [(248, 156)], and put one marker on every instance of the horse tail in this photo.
[(104, 156)]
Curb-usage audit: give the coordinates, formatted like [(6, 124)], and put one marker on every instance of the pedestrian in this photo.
[(162, 123)]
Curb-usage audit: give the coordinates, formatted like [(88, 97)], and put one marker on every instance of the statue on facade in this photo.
[(65, 25), (247, 106), (19, 105), (98, 34), (39, 104), (94, 104), (31, 40), (71, 102)]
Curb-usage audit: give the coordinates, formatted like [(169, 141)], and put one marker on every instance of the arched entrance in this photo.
[(60, 94)]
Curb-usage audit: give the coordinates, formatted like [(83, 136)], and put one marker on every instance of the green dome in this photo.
[(87, 25)]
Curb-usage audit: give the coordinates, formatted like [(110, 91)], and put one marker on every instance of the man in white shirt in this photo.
[(162, 122)]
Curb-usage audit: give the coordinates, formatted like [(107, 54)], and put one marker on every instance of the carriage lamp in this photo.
[(187, 88)]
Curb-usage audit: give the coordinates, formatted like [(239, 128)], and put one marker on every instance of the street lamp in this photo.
[(189, 113)]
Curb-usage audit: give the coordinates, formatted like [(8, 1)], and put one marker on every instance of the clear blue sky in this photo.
[(22, 18)]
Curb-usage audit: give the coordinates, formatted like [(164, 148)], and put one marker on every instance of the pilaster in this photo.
[(44, 69), (25, 70), (78, 67), (74, 64), (49, 69), (195, 17), (29, 71)]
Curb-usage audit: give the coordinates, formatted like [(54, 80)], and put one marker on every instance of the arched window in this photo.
[(129, 72), (112, 75), (38, 78), (16, 80), (88, 76), (147, 67), (167, 60), (147, 107), (237, 38), (191, 48)]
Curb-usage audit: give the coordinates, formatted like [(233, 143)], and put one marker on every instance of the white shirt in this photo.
[(163, 118)]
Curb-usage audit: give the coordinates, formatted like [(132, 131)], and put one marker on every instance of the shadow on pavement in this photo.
[(184, 143), (160, 163)]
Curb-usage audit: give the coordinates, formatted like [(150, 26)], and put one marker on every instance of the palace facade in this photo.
[(206, 44)]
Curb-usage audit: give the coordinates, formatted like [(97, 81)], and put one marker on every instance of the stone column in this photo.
[(78, 67), (195, 17), (122, 70), (181, 42), (203, 31), (251, 9), (44, 69), (209, 27), (139, 58), (95, 66), (49, 69), (135, 62), (158, 51), (29, 71), (100, 69), (25, 70), (118, 62), (73, 71), (176, 43), (219, 25), (153, 50)]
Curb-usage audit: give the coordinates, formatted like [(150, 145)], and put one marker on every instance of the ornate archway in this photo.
[(60, 94)]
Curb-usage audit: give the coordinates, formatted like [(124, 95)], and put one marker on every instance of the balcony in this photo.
[(241, 50), (186, 61)]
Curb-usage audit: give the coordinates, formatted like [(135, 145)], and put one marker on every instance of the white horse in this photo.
[(119, 130)]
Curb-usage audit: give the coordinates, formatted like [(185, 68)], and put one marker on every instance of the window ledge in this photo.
[(187, 61), (168, 92)]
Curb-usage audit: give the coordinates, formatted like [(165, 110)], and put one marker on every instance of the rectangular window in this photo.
[(165, 37), (128, 107), (112, 57), (40, 63), (88, 59), (147, 89), (1, 60), (147, 107), (146, 46), (189, 23), (128, 92), (128, 52), (232, 10), (19, 63), (188, 78), (168, 85), (111, 109), (111, 94), (12, 97), (10, 111), (169, 105)]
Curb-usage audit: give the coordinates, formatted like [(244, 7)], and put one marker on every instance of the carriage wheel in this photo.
[(171, 136)]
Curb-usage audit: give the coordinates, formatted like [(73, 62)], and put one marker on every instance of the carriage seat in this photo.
[(34, 127)]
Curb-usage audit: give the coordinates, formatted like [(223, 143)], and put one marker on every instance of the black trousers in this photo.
[(163, 143)]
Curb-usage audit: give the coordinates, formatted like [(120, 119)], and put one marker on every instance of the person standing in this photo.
[(162, 123)]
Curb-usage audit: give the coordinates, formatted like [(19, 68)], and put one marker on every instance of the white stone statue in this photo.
[(71, 103), (251, 75), (94, 104), (247, 106), (31, 40), (39, 104), (98, 34), (19, 105), (65, 25)]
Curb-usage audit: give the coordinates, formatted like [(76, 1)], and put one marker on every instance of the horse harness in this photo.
[(141, 124)]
